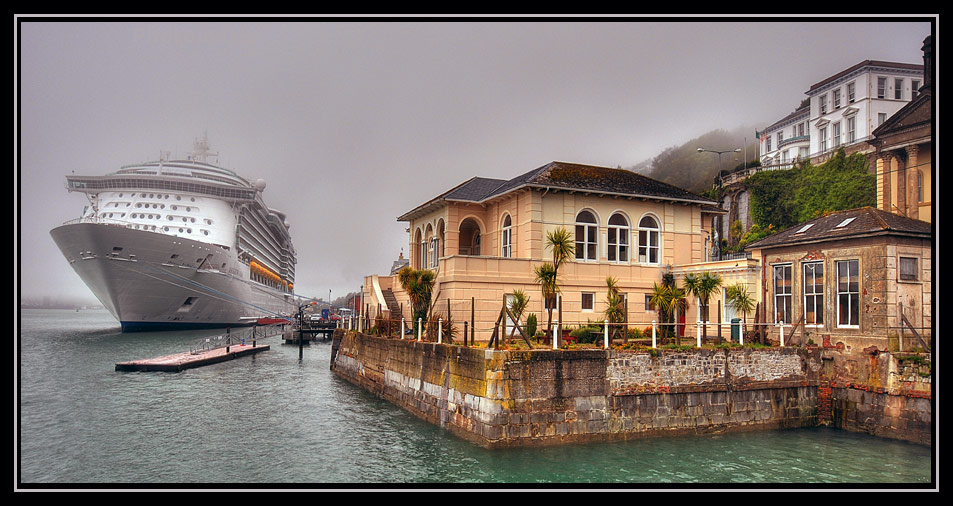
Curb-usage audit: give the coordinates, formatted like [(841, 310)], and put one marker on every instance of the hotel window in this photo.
[(851, 130), (814, 293), (648, 240), (836, 99), (780, 138), (507, 237), (881, 87), (908, 269), (848, 293), (588, 301), (881, 118), (800, 129), (824, 104), (823, 139), (767, 143), (782, 293), (898, 89), (618, 238), (850, 93), (835, 134), (914, 89), (587, 231)]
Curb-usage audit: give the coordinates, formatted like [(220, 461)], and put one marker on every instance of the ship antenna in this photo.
[(201, 150)]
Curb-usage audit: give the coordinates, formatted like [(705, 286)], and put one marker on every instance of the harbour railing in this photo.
[(244, 336), (459, 322)]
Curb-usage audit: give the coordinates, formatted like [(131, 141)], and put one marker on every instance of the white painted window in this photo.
[(587, 232), (881, 87), (618, 234), (835, 134), (850, 93), (506, 237), (649, 240), (848, 293), (823, 103), (813, 293), (898, 89), (822, 135), (836, 99), (782, 293), (851, 130)]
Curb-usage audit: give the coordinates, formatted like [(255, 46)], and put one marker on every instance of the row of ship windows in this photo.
[(150, 217), (155, 195), (140, 205), (153, 228)]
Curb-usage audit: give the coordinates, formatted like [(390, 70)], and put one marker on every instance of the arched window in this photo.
[(648, 240), (421, 253), (618, 238), (587, 232), (430, 247), (469, 243), (506, 238)]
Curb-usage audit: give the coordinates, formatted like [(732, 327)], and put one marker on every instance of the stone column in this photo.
[(884, 182), (913, 201), (901, 187)]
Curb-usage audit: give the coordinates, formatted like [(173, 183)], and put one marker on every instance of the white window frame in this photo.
[(649, 246), (590, 237), (836, 94), (882, 88), (729, 311), (898, 88), (822, 137), (823, 103), (785, 296), (619, 246), (851, 93), (816, 296), (853, 296), (851, 130), (835, 135), (506, 237)]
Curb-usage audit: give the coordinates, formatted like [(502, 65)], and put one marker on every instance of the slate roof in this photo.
[(564, 176), (864, 222)]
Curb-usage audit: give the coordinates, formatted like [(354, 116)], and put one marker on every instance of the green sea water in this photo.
[(274, 421)]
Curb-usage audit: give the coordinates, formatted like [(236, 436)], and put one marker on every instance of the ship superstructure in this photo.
[(180, 243)]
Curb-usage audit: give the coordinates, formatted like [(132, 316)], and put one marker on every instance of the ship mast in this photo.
[(200, 150)]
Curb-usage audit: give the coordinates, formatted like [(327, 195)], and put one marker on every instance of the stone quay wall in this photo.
[(510, 398)]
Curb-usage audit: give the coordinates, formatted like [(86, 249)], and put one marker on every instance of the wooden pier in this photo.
[(187, 360)]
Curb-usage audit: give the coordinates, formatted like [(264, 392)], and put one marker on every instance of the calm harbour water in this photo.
[(278, 422)]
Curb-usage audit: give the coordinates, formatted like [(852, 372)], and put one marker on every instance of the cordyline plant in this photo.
[(668, 300), (615, 311), (418, 283), (560, 242), (517, 307), (739, 298), (702, 286)]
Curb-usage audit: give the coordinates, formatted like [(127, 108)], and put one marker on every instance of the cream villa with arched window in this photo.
[(484, 237)]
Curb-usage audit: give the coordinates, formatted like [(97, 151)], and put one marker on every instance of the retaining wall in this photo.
[(509, 398)]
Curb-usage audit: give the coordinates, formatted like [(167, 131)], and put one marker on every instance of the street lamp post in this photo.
[(720, 168)]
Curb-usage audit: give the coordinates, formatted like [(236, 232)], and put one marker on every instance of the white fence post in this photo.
[(653, 333), (556, 335), (419, 326), (607, 334), (781, 324), (402, 327), (439, 330), (698, 340)]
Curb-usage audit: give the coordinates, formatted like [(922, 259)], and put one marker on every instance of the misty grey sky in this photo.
[(353, 123)]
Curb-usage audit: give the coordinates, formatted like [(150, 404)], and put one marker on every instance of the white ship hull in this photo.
[(154, 281)]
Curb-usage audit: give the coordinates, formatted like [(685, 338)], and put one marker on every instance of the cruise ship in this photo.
[(181, 244)]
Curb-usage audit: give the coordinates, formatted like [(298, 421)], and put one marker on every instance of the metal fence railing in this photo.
[(247, 335)]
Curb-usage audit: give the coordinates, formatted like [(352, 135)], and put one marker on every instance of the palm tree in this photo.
[(418, 283), (702, 287), (615, 312), (547, 274), (668, 300), (739, 298), (546, 278)]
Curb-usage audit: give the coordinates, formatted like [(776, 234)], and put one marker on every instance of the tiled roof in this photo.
[(860, 222), (565, 176)]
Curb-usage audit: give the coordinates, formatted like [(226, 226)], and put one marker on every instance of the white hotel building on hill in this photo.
[(841, 111)]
